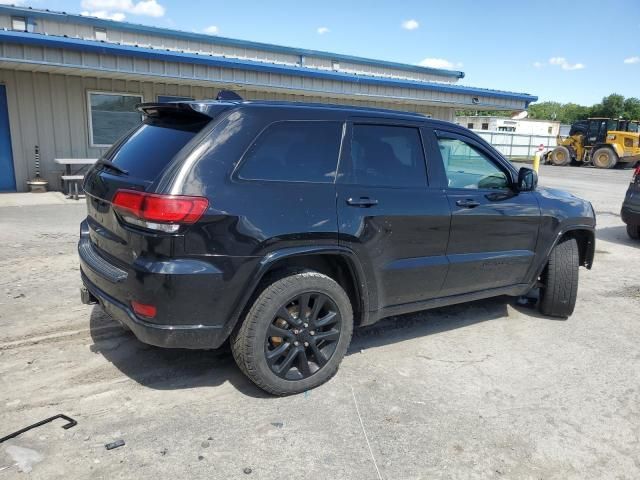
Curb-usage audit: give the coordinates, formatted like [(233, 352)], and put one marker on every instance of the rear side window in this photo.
[(294, 151), (147, 150), (384, 155)]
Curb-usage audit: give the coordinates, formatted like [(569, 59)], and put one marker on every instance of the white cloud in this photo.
[(410, 24), (538, 64), (117, 16), (149, 8), (632, 60), (562, 62), (212, 30), (439, 63), (322, 30)]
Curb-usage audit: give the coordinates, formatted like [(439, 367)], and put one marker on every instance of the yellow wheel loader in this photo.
[(602, 142)]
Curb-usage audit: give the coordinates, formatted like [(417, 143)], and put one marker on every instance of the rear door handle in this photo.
[(468, 203), (362, 202)]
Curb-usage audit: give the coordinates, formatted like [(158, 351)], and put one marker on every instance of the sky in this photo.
[(562, 50)]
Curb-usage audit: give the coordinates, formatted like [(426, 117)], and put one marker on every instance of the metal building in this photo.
[(69, 83)]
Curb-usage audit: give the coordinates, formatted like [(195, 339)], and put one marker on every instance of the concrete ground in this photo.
[(482, 390)]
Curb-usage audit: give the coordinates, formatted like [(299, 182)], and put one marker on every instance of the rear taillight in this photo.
[(158, 212), (144, 309), (636, 175)]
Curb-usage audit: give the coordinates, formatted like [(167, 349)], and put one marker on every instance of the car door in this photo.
[(494, 228), (389, 215)]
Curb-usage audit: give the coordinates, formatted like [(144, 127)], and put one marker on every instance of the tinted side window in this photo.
[(294, 151), (469, 168), (386, 156)]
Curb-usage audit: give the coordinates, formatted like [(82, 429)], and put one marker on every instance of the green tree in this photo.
[(632, 108), (612, 106)]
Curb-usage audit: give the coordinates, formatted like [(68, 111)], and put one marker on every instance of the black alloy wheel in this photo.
[(303, 336)]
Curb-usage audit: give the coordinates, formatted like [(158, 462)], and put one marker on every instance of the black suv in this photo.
[(630, 212), (283, 226)]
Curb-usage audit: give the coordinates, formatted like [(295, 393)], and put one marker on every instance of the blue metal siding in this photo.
[(78, 45), (7, 174)]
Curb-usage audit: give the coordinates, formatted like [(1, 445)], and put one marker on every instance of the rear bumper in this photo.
[(167, 336), (197, 299)]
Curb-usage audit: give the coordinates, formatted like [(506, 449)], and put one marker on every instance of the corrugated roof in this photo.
[(102, 47), (201, 37)]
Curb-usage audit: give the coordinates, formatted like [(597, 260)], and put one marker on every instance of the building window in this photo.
[(111, 115), (506, 129), (549, 130), (470, 126), (100, 33), (485, 126), (19, 24)]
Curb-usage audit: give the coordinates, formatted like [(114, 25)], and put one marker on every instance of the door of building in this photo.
[(7, 174)]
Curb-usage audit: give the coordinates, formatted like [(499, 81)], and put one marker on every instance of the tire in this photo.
[(265, 357), (604, 158), (633, 231), (560, 156), (560, 280)]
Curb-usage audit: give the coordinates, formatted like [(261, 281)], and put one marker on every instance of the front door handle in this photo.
[(468, 203), (362, 202)]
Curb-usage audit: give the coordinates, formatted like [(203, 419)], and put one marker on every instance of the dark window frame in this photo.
[(345, 154), (236, 174)]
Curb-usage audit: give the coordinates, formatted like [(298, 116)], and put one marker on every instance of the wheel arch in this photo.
[(339, 263), (586, 239)]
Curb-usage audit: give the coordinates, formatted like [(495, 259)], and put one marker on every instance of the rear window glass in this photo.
[(147, 150), (294, 151)]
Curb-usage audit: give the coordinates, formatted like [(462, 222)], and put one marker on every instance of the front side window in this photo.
[(467, 167), (111, 115), (386, 156), (294, 151)]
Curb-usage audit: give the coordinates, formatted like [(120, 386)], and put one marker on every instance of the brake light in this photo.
[(143, 309), (158, 212), (636, 175)]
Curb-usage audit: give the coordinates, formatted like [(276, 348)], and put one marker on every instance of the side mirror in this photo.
[(527, 180)]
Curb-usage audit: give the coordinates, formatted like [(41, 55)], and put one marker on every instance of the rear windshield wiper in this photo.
[(112, 166)]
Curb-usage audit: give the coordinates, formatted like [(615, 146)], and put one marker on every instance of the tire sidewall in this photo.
[(612, 158), (306, 283)]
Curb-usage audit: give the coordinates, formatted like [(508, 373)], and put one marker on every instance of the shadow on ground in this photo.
[(170, 369), (617, 234)]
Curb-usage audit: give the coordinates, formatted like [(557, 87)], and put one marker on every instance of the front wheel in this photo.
[(560, 280), (295, 334), (560, 156), (633, 231)]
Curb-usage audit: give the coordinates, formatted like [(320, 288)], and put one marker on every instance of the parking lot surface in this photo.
[(488, 389)]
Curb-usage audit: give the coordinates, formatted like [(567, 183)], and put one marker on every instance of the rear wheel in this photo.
[(633, 231), (295, 334), (604, 158), (560, 280), (560, 156)]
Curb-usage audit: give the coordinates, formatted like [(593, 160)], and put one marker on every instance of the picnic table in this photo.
[(72, 176)]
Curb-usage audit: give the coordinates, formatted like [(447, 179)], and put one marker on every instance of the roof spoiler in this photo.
[(190, 111), (228, 95)]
